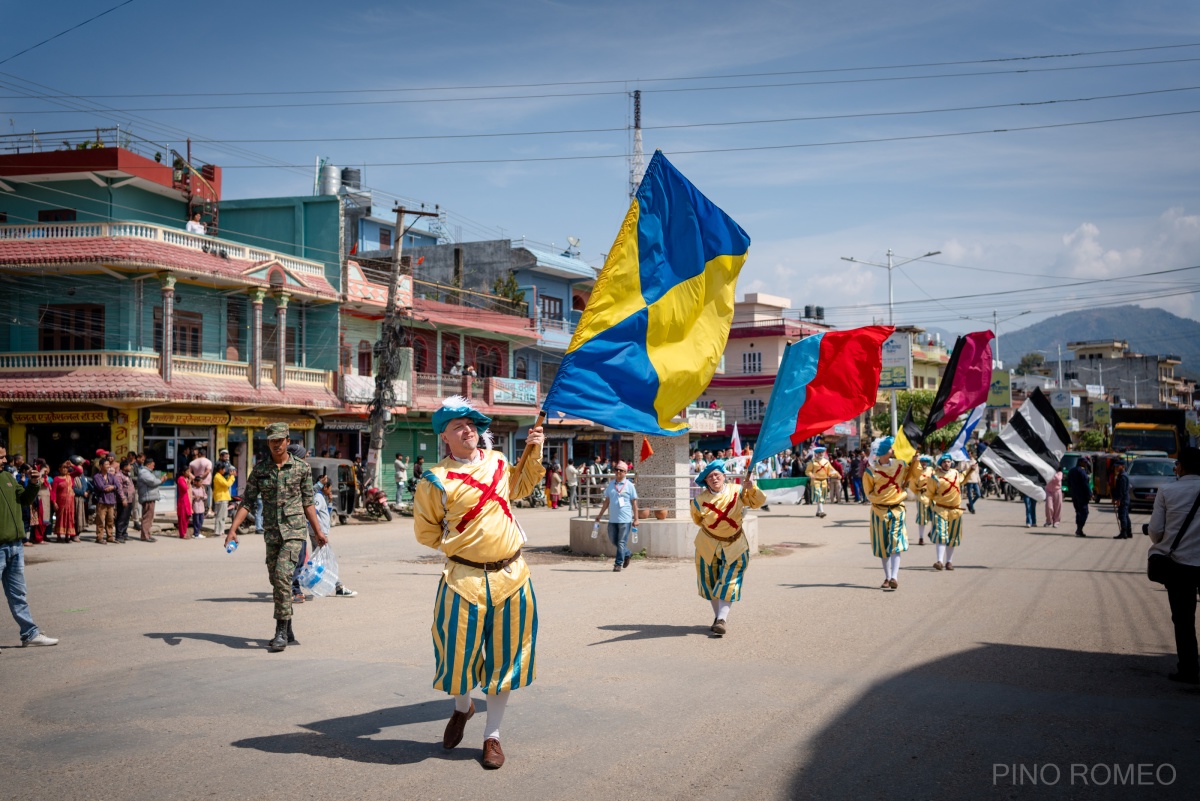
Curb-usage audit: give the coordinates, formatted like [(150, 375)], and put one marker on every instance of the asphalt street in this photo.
[(1036, 669)]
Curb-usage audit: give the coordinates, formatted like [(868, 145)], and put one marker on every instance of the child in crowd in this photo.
[(199, 499)]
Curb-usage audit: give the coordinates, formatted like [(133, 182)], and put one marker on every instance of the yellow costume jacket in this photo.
[(943, 491), (721, 515), (916, 482), (478, 522), (885, 484), (820, 470)]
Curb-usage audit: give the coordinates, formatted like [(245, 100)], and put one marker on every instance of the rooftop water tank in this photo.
[(351, 178), (330, 181)]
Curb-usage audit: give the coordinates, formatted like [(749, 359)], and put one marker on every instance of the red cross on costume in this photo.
[(722, 514), (951, 483), (892, 481), (486, 493)]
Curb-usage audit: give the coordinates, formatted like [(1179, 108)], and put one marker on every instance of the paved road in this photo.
[(1041, 651)]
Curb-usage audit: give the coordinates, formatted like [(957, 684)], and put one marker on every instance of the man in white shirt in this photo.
[(572, 476), (401, 468), (194, 226), (1171, 509)]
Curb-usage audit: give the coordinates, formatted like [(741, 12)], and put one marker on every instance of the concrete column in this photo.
[(281, 304), (168, 324), (256, 305), (670, 463)]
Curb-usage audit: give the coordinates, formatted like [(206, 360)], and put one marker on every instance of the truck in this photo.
[(1136, 431)]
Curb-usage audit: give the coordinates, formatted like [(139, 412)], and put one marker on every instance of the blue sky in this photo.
[(1024, 210)]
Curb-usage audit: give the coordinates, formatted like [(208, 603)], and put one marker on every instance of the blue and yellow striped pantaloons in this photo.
[(888, 534), (486, 645), (721, 579), (946, 532), (924, 514)]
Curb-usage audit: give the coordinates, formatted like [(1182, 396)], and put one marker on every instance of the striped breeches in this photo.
[(820, 491), (924, 514), (721, 579), (486, 645), (888, 534), (946, 532)]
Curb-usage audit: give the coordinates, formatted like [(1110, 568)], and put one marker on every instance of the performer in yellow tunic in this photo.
[(883, 482), (722, 553), (485, 613), (921, 471), (944, 491), (819, 471)]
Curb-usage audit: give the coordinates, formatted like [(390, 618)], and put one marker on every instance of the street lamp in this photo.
[(891, 306), (1135, 382), (996, 329)]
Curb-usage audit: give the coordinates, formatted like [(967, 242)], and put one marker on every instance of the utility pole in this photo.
[(637, 165), (387, 363)]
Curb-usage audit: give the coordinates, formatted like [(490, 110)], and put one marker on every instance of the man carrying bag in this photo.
[(1174, 558)]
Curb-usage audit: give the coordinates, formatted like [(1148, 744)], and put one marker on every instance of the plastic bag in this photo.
[(320, 573)]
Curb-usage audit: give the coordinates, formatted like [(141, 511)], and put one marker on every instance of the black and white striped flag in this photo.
[(1030, 449)]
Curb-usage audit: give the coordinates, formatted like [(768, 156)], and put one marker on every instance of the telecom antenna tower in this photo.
[(637, 165)]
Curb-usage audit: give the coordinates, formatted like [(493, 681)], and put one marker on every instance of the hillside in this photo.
[(1149, 331)]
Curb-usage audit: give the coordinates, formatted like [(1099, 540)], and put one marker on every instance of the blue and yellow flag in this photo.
[(656, 325)]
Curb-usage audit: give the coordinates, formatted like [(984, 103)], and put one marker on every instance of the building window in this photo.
[(450, 354), (420, 355), (270, 335), (918, 382), (752, 409), (385, 239), (522, 368), (187, 331), (75, 327), (233, 330), (489, 363), (365, 351), (3, 217), (56, 215), (551, 307), (752, 362)]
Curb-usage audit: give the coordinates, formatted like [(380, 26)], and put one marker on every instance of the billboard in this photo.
[(1000, 392), (897, 362)]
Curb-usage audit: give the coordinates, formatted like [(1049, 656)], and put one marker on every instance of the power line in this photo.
[(542, 96), (68, 30)]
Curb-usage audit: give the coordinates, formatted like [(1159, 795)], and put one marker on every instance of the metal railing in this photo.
[(157, 233), (656, 493)]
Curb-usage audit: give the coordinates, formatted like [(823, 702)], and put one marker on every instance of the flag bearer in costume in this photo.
[(722, 552), (485, 612), (819, 471), (884, 483), (944, 491), (920, 473)]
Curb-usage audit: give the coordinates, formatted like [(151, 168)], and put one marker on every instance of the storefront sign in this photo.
[(1000, 393), (188, 418), (46, 418), (345, 425), (121, 435), (514, 390), (705, 421), (262, 421), (897, 362)]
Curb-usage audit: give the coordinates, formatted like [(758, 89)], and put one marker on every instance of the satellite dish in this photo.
[(574, 240)]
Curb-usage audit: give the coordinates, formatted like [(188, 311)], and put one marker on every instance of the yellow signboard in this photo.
[(43, 418), (122, 435), (262, 421), (1000, 392), (1101, 412), (189, 418)]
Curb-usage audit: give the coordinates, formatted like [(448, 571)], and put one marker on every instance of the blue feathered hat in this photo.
[(924, 457), (945, 457), (715, 464), (457, 406), (884, 446)]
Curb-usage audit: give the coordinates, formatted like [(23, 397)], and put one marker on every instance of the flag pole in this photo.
[(541, 418)]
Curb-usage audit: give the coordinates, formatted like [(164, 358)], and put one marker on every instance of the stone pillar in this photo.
[(256, 304), (281, 304), (670, 463), (168, 327)]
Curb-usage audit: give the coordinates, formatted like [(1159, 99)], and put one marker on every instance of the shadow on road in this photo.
[(355, 737), (843, 584), (964, 726), (251, 598), (651, 631), (238, 643)]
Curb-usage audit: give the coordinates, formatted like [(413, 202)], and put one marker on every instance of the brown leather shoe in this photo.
[(493, 756), (885, 585), (718, 627), (893, 583), (938, 566), (949, 566), (454, 728)]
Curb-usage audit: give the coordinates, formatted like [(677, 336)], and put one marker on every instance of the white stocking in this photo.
[(920, 531), (495, 714), (723, 610), (884, 561), (894, 566), (716, 605), (941, 552), (462, 703), (949, 553)]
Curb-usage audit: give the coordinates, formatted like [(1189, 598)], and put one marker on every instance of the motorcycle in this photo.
[(375, 503), (533, 500)]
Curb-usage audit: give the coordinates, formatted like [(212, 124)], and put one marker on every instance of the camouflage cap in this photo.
[(277, 431)]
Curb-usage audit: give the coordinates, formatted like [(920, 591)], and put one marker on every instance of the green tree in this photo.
[(505, 286), (1091, 440), (1029, 363), (920, 400)]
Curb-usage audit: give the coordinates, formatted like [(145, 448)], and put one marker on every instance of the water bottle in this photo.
[(633, 531), (595, 530), (231, 547)]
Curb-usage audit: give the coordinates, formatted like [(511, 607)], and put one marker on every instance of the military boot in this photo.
[(281, 639), (291, 638)]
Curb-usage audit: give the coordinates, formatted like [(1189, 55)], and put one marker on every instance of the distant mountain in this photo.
[(1150, 331)]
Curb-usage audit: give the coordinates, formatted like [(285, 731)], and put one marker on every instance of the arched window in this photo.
[(488, 361), (450, 354), (364, 357), (522, 367), (420, 355)]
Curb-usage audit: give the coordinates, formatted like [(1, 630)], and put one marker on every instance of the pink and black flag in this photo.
[(966, 381), (823, 380)]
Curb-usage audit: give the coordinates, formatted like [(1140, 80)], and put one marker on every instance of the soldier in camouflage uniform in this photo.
[(284, 483)]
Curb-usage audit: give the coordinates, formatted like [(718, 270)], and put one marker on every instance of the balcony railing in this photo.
[(430, 388), (157, 233)]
